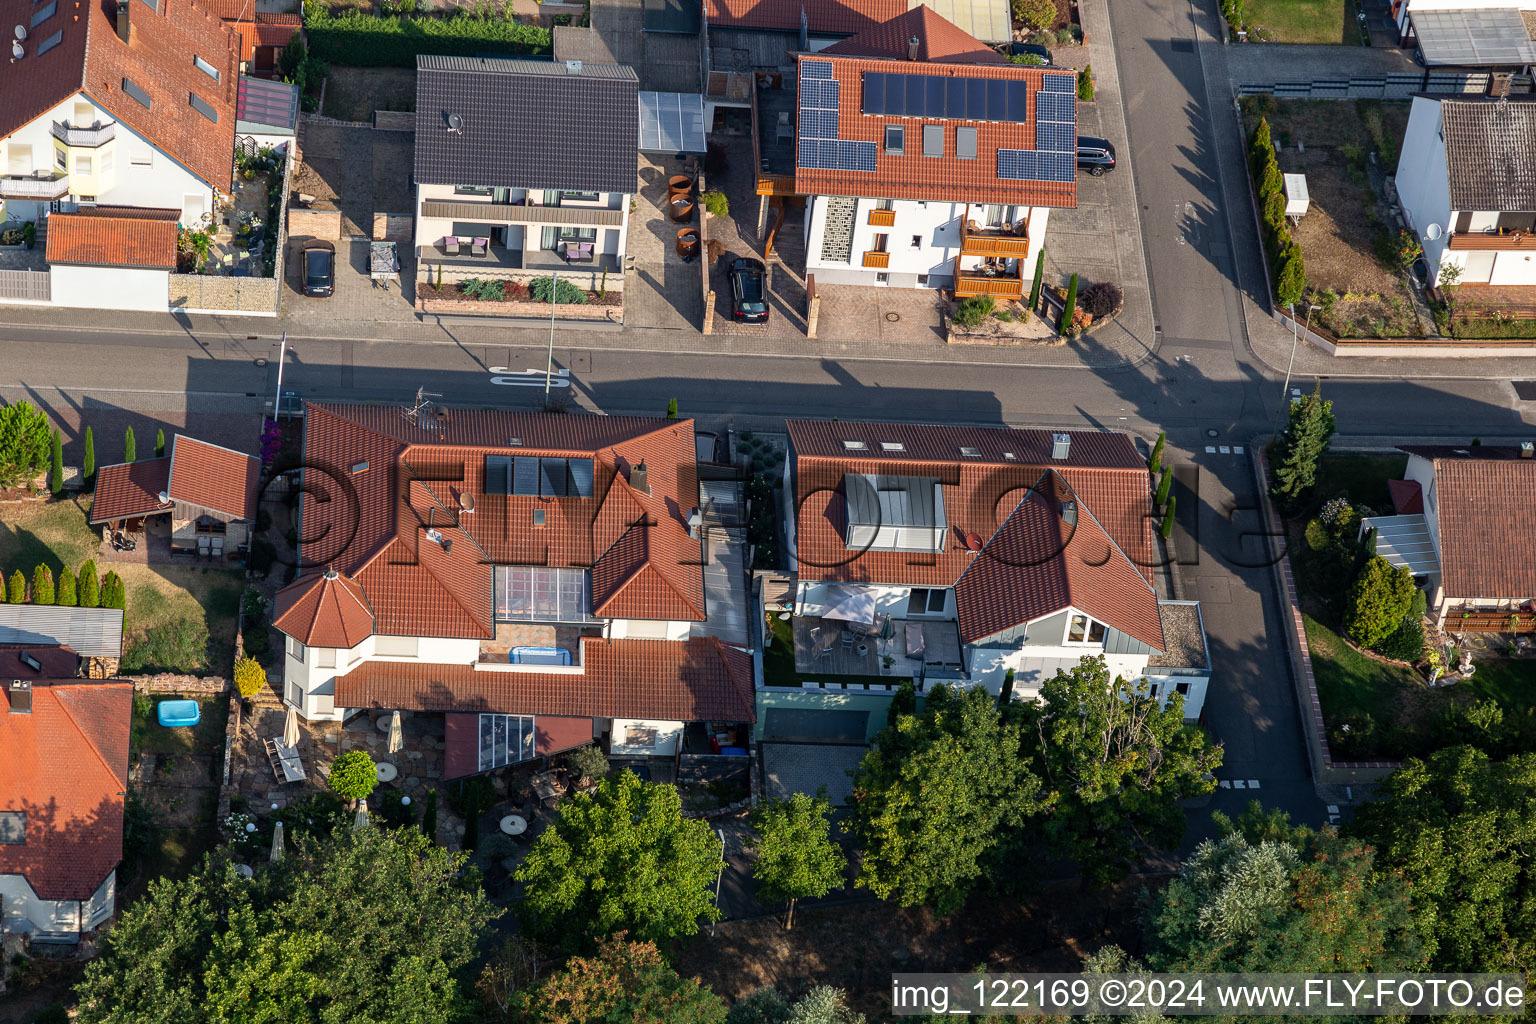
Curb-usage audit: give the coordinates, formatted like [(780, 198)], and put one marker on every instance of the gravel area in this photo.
[(1182, 637)]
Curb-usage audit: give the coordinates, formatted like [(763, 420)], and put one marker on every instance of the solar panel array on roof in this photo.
[(815, 69), (1060, 83), (1030, 165), (954, 98), (819, 147), (1056, 122), (1473, 37)]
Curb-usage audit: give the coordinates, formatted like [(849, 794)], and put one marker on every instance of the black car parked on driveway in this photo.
[(749, 283), (317, 263), (1095, 155)]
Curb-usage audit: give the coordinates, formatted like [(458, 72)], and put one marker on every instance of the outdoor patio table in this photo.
[(386, 771), (514, 824)]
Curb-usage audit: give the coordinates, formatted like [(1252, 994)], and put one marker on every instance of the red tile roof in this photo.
[(1484, 502), (158, 59), (830, 17), (1021, 574), (66, 766), (212, 477), (264, 30), (674, 680), (130, 489), (551, 735), (911, 175), (324, 610), (391, 480), (938, 40), (114, 236), (1407, 496)]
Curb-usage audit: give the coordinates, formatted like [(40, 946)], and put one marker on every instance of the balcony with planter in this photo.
[(1010, 241), (988, 280)]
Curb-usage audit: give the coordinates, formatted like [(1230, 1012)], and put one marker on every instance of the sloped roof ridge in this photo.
[(90, 741), (1084, 507)]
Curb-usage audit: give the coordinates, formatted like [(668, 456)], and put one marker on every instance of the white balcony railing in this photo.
[(17, 187), (95, 135)]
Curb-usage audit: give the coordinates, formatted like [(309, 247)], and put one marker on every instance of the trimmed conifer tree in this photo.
[(42, 585), (89, 585)]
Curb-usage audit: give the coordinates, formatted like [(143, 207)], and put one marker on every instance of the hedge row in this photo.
[(361, 40), (1285, 263)]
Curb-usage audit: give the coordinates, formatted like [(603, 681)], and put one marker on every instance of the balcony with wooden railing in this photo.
[(882, 218), (879, 260), (979, 241), (988, 281), (1508, 241)]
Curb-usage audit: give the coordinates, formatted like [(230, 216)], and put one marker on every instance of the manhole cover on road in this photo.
[(260, 362), (1213, 433), (892, 317), (1525, 390)]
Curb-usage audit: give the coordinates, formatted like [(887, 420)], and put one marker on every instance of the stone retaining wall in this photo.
[(314, 223), (167, 682), (530, 310)]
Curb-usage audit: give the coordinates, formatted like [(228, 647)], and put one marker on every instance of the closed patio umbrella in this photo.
[(396, 734), (362, 814), (291, 729), (277, 842)]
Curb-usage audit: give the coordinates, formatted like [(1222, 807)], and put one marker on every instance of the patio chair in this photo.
[(204, 545), (479, 246), (450, 245), (217, 547), (848, 639)]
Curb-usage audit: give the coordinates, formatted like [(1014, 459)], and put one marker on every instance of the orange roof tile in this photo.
[(674, 680), (324, 610), (390, 481), (831, 17), (114, 236), (212, 477), (1483, 498), (910, 174), (986, 477), (66, 765), (939, 40), (130, 489)]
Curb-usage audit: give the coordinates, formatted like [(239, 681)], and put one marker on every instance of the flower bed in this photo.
[(517, 303)]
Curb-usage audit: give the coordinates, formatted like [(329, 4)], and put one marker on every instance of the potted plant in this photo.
[(29, 234)]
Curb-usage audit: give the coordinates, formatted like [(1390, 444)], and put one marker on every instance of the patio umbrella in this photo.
[(277, 842), (850, 604), (291, 729), (362, 814), (396, 734)]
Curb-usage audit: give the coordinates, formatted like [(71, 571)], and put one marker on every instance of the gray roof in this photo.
[(91, 632), (527, 124), (1490, 154), (1473, 38)]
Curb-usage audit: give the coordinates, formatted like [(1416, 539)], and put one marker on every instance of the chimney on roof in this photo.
[(122, 20), (639, 478), (695, 522), (330, 573), (1061, 446), (912, 47), (21, 697)]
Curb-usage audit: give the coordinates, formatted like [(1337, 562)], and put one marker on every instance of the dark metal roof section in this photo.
[(527, 124)]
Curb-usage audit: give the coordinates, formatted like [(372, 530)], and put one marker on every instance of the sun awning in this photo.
[(850, 604), (1473, 37), (671, 122), (1405, 541)]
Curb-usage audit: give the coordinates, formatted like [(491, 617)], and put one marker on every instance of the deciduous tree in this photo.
[(1459, 827), (1114, 764), (366, 925), (621, 858), (353, 775), (623, 981), (932, 799), (796, 857), (24, 442), (1302, 444)]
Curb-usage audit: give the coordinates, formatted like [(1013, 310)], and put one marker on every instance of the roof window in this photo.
[(892, 446), (855, 446), (49, 43), (45, 12), (139, 95), (969, 452), (203, 107), (933, 140), (205, 67)]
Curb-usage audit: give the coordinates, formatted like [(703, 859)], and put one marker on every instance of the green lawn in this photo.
[(206, 737), (1363, 478), (51, 532), (1301, 21)]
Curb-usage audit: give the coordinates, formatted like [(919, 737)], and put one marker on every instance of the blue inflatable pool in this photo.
[(178, 712)]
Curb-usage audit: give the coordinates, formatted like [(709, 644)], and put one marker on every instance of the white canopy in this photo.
[(850, 604)]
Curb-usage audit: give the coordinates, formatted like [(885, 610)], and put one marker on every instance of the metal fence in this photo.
[(1398, 85), (26, 286)]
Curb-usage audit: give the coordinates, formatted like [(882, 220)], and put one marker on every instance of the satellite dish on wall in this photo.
[(1433, 232), (455, 123), (21, 32), (16, 50)]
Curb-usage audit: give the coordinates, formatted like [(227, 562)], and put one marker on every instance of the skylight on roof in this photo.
[(205, 67), (49, 43), (42, 14), (969, 452), (203, 107), (855, 446), (139, 95), (1010, 456), (892, 446)]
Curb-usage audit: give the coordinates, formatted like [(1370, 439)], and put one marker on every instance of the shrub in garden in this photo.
[(130, 446), (1338, 515), (355, 37), (42, 585), (113, 595), (353, 775), (1155, 460), (974, 310), (250, 677), (1405, 643), (587, 762), (429, 816), (88, 464), (1085, 84), (566, 294), (715, 202), (159, 443), (56, 471), (24, 441), (1164, 486), (17, 593), (90, 585), (1291, 275), (68, 595), (1379, 598), (484, 291), (1102, 298), (1035, 13), (1034, 289), (1166, 529), (1069, 309)]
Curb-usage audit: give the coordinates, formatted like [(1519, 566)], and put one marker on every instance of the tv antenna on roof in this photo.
[(421, 411)]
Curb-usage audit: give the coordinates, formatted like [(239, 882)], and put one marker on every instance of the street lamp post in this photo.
[(549, 365), (721, 833), (1285, 391)]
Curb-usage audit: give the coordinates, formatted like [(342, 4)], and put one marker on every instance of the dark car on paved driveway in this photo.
[(749, 284), (317, 263), (1095, 155), (1020, 49)]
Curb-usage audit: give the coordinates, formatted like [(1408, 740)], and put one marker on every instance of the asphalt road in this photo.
[(1203, 387)]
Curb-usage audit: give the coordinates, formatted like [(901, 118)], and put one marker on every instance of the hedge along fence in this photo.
[(1285, 263), (361, 40)]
